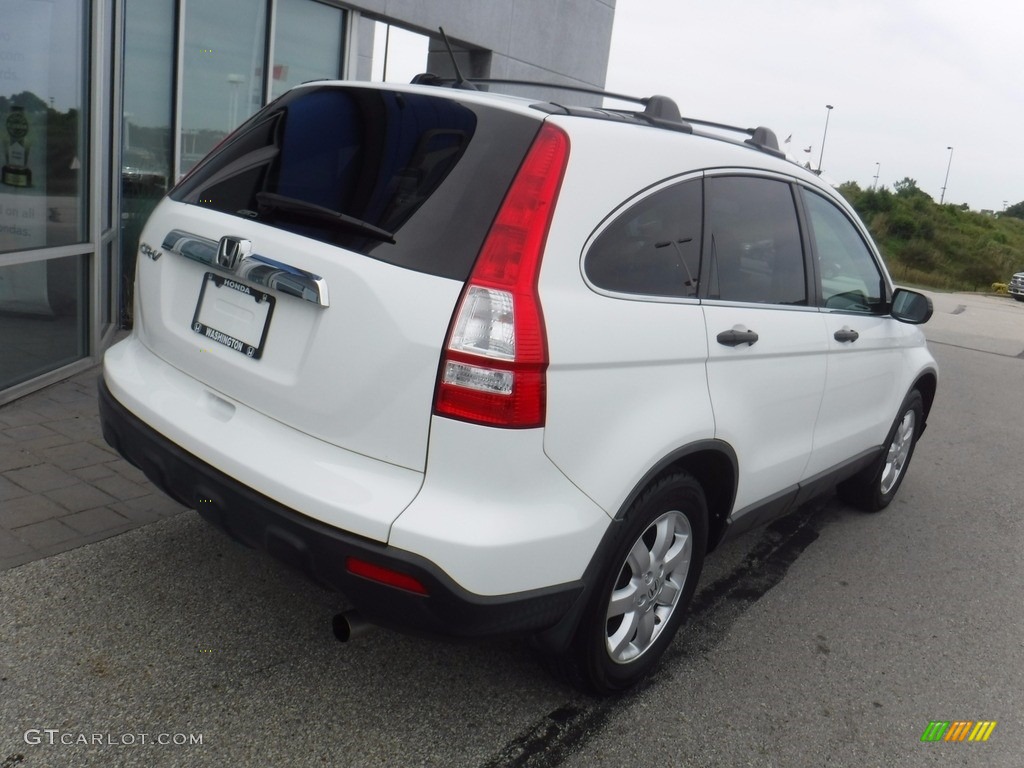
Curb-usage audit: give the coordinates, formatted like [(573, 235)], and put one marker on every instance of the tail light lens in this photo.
[(493, 370)]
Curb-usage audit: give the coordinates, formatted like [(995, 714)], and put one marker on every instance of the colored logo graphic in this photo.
[(958, 730)]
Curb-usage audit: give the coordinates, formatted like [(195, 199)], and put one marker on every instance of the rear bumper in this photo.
[(320, 551)]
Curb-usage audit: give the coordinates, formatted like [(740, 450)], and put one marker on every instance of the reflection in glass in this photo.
[(223, 71), (308, 44), (398, 54), (146, 131), (43, 317), (42, 124)]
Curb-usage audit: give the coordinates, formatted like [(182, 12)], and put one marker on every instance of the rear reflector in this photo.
[(384, 575), (494, 368)]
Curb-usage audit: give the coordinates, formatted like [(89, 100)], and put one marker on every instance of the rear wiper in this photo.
[(273, 202)]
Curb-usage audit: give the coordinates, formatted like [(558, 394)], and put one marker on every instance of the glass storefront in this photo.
[(222, 72), (103, 105), (44, 325), (223, 80), (307, 44), (44, 117)]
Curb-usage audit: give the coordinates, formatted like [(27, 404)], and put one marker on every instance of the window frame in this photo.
[(812, 272)]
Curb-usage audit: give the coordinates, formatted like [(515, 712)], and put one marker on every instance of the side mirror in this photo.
[(911, 307)]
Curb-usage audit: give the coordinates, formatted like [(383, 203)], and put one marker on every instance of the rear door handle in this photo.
[(736, 336), (846, 334)]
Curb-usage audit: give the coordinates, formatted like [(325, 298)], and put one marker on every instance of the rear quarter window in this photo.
[(653, 248)]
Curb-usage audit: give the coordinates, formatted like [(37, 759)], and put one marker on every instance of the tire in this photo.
[(642, 594), (875, 487)]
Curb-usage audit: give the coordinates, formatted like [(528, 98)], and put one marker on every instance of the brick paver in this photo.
[(61, 485)]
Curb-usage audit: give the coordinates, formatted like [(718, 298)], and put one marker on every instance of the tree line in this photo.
[(941, 246)]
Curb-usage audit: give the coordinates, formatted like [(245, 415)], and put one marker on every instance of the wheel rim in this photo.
[(648, 587), (899, 451)]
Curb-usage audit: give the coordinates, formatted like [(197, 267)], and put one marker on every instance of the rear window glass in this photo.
[(356, 168)]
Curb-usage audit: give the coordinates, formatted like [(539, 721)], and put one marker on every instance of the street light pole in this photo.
[(822, 153), (878, 168), (942, 197)]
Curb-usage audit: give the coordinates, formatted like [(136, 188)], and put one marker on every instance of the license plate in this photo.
[(233, 314)]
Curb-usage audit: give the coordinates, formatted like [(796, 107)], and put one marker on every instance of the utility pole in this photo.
[(942, 197), (822, 153)]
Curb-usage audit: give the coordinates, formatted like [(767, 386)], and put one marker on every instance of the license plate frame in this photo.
[(249, 337)]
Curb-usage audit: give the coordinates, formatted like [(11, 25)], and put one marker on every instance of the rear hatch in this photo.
[(309, 267)]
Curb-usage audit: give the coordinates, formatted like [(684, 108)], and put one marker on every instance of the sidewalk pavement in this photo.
[(61, 485)]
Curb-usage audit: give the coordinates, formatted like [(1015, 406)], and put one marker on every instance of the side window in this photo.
[(752, 241), (850, 279), (652, 249)]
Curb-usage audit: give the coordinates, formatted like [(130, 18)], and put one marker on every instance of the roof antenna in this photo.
[(460, 81)]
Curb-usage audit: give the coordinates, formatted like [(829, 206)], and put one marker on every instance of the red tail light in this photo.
[(493, 370)]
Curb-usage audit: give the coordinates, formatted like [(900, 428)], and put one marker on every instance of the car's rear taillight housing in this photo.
[(494, 365)]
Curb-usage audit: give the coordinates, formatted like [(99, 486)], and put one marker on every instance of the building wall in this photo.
[(567, 41)]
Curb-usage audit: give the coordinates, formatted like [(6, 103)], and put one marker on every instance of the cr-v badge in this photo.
[(148, 250)]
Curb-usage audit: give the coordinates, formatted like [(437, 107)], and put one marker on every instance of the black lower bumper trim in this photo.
[(320, 551)]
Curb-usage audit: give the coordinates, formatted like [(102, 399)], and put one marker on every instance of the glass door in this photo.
[(44, 159)]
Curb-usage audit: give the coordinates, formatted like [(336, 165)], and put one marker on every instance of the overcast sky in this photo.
[(906, 78)]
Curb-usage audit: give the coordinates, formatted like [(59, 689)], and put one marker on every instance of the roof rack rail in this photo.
[(761, 137), (659, 111)]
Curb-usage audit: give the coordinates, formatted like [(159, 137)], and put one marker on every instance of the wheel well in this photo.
[(926, 386), (715, 470)]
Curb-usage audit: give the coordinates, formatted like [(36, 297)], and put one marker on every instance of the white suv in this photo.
[(491, 365)]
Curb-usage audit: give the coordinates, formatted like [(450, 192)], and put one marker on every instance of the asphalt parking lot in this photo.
[(829, 638)]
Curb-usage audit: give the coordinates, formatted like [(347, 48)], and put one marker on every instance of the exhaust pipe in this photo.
[(348, 625)]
